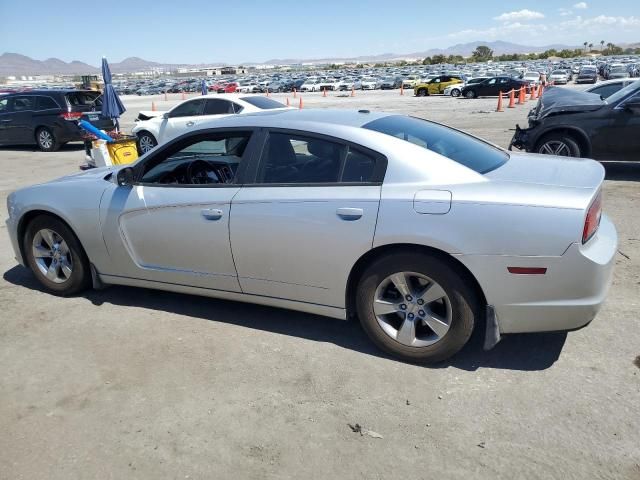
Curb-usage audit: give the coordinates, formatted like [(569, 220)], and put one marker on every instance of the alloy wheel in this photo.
[(412, 309), (146, 143), (52, 256), (45, 139), (555, 147)]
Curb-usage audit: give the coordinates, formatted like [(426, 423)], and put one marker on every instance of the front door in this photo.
[(5, 119), (297, 230), (181, 119), (173, 224), (623, 138)]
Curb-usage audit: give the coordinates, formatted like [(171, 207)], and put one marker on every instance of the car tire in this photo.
[(146, 142), (61, 266), (560, 144), (470, 94), (46, 140), (416, 341), (455, 92), (422, 92)]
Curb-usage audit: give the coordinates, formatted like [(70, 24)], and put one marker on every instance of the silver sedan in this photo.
[(419, 230)]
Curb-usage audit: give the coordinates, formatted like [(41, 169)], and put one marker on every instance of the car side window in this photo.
[(46, 103), (491, 82), (216, 106), (296, 159), (23, 103), (4, 105), (187, 109), (205, 159)]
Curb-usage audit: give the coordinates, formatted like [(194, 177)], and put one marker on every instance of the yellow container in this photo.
[(123, 151)]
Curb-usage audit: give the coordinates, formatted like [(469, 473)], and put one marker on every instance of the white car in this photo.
[(369, 83), (532, 77), (559, 77), (310, 85), (250, 87), (155, 128)]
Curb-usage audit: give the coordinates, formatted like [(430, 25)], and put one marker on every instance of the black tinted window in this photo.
[(45, 103), (24, 103), (460, 147), (263, 103), (4, 104), (187, 109), (607, 90), (80, 99), (217, 106)]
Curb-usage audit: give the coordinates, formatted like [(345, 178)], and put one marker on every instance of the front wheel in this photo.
[(470, 94), (146, 142), (416, 307), (55, 256), (455, 92), (559, 144), (422, 92)]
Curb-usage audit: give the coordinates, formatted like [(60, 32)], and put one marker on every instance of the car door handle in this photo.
[(350, 213), (190, 124), (211, 213)]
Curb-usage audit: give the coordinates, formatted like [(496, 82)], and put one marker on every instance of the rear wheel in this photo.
[(469, 94), (46, 140), (422, 92), (559, 144), (55, 256), (455, 92), (416, 307), (146, 142)]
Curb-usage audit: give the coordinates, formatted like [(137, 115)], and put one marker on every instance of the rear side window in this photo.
[(263, 103), (218, 107), (295, 159), (4, 104), (23, 103), (46, 103), (84, 99), (188, 109), (607, 90), (457, 146)]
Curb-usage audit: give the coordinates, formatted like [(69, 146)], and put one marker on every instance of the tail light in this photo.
[(71, 115), (592, 221)]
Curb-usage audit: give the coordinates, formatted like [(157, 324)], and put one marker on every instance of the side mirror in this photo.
[(165, 115), (633, 106), (125, 177)]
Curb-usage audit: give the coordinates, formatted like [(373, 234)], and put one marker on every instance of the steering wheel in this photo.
[(200, 172)]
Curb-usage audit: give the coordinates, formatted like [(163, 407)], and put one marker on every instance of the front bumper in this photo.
[(567, 297), (522, 139), (12, 229)]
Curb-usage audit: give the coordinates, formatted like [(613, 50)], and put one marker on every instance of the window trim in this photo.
[(378, 175), (191, 138)]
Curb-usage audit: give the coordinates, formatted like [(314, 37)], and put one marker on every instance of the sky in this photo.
[(241, 31)]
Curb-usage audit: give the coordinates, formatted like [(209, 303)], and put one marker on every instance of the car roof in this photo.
[(49, 91), (291, 116)]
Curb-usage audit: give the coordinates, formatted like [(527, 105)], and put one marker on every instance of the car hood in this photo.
[(560, 100), (92, 174), (529, 168)]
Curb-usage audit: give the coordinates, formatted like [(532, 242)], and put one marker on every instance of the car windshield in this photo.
[(622, 93), (469, 151), (263, 103), (558, 72)]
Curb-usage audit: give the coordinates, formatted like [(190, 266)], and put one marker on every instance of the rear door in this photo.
[(306, 214), (21, 126), (623, 133)]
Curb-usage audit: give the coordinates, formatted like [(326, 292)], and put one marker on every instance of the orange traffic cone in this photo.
[(288, 105), (267, 91), (294, 93), (324, 92), (401, 89), (533, 93), (520, 96), (300, 105), (512, 99), (353, 92), (540, 91), (153, 106), (499, 108), (182, 97)]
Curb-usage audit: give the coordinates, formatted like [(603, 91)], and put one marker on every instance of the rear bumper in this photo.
[(567, 297)]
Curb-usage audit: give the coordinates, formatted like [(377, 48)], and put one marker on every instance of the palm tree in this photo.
[(585, 45), (601, 45), (610, 47), (590, 46)]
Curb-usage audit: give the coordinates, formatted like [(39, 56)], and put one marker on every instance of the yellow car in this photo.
[(435, 85)]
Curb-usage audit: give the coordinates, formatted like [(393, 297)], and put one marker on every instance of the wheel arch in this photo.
[(578, 135), (370, 256)]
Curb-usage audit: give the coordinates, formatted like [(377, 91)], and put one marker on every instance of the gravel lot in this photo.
[(132, 383)]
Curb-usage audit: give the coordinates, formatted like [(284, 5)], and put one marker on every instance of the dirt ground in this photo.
[(128, 383)]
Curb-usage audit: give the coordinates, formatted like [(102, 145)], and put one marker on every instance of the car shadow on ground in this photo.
[(622, 171), (67, 147), (531, 352)]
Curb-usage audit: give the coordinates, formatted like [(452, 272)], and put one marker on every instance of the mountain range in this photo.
[(16, 64)]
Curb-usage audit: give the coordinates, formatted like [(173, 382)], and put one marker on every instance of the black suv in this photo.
[(578, 124), (47, 117)]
